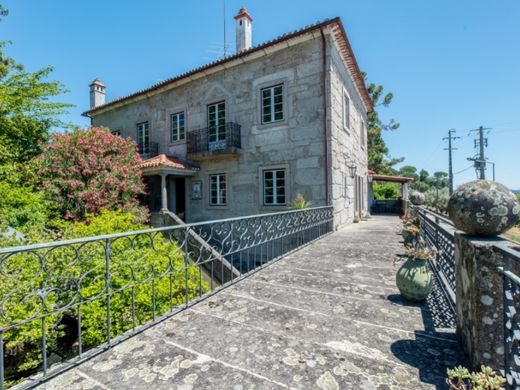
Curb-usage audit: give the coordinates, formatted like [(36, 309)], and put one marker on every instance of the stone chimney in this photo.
[(97, 93), (244, 27)]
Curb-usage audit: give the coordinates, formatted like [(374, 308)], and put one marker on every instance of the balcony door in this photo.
[(217, 126)]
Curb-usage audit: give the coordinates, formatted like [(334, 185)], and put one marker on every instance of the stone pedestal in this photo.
[(479, 300)]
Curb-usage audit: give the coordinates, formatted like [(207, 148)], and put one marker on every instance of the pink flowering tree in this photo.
[(86, 171)]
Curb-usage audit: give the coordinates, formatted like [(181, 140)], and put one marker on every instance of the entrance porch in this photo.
[(166, 189), (388, 206)]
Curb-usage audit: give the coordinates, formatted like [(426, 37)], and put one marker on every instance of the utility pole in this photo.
[(450, 150), (481, 153), (480, 159)]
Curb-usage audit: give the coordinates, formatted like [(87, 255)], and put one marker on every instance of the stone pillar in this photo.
[(479, 300), (164, 193), (404, 197), (404, 190)]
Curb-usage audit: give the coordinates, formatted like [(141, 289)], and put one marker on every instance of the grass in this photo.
[(513, 234)]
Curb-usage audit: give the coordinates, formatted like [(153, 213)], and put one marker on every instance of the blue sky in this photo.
[(450, 64)]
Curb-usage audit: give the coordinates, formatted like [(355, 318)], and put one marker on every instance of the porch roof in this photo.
[(167, 164), (387, 178)]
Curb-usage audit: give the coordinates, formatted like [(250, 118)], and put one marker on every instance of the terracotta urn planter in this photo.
[(414, 279)]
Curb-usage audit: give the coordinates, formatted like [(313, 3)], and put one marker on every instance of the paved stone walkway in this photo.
[(326, 317)]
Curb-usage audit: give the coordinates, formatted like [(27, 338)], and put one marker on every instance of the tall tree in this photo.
[(379, 159), (27, 112), (409, 171)]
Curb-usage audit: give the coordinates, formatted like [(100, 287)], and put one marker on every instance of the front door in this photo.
[(180, 198), (217, 126)]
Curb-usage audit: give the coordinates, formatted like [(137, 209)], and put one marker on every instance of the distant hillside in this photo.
[(516, 191)]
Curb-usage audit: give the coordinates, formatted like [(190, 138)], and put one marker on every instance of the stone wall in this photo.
[(296, 144), (348, 147), (479, 299)]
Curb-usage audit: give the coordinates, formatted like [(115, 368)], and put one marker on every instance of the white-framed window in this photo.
[(272, 103), (346, 111), (362, 133), (217, 121), (177, 126), (143, 137), (116, 132), (274, 187), (217, 189)]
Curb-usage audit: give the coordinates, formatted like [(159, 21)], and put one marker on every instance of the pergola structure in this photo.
[(404, 186), (167, 168)]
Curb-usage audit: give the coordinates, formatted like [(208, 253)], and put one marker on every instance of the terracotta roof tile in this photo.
[(164, 161)]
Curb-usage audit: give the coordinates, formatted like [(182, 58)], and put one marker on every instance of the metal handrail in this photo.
[(511, 299), (443, 239), (147, 231), (438, 217), (171, 272)]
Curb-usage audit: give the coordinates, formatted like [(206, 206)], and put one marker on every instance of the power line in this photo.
[(432, 153), (464, 170)]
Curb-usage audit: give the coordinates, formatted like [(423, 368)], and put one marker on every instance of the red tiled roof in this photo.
[(164, 161), (339, 34)]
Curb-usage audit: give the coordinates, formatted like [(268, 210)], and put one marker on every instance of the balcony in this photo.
[(211, 141)]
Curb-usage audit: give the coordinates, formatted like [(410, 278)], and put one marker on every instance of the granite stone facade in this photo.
[(314, 76)]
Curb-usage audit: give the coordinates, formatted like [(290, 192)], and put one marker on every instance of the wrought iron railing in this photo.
[(511, 287), (215, 138), (75, 298), (438, 231)]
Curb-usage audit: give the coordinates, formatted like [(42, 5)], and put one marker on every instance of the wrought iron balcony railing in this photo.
[(75, 298), (223, 138)]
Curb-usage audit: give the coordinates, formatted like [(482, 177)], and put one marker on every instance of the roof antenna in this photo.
[(225, 43)]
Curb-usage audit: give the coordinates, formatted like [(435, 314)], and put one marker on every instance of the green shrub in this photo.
[(22, 208), (460, 378), (77, 273), (384, 191), (85, 171), (437, 199), (300, 203)]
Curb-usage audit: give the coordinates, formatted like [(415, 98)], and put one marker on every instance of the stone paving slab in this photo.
[(383, 313), (328, 316)]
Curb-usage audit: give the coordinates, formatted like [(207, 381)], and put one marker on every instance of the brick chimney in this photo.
[(97, 93), (244, 27)]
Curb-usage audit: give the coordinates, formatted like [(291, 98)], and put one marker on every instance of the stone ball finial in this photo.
[(417, 198), (483, 208)]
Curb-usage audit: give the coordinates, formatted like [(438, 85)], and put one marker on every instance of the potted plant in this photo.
[(414, 277), (411, 230), (460, 378)]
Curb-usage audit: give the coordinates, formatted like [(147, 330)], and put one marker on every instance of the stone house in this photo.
[(247, 133)]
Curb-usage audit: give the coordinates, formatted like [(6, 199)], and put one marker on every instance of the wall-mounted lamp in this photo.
[(352, 169)]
